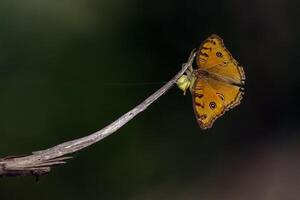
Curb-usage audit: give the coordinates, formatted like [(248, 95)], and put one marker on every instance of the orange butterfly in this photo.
[(216, 85)]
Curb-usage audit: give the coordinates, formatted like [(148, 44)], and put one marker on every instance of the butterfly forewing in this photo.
[(215, 58)]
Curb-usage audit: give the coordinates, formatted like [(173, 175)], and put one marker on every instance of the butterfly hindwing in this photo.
[(211, 98), (207, 105), (231, 95)]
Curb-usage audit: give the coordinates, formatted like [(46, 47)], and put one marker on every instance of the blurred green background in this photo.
[(65, 68)]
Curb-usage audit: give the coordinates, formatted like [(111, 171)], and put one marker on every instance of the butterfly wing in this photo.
[(211, 98), (213, 57)]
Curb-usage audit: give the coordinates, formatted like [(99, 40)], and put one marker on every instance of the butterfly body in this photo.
[(216, 85)]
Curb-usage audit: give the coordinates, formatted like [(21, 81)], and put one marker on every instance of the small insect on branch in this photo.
[(40, 162)]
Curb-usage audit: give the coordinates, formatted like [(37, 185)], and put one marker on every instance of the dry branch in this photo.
[(40, 162)]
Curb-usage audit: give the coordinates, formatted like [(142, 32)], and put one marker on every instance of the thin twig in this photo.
[(40, 162)]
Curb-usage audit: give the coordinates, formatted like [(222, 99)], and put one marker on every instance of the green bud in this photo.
[(183, 83)]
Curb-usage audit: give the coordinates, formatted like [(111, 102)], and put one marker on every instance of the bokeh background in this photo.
[(70, 67)]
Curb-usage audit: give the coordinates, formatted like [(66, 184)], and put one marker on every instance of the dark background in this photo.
[(66, 71)]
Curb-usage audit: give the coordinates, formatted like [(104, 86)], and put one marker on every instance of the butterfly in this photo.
[(216, 84)]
